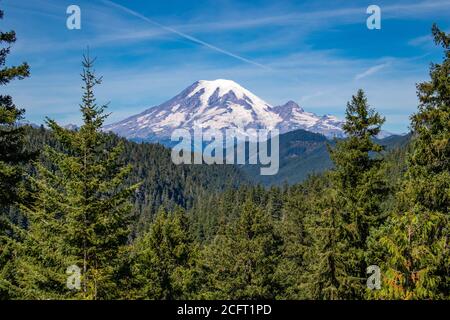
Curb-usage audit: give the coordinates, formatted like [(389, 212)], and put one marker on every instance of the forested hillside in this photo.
[(303, 153), (162, 183)]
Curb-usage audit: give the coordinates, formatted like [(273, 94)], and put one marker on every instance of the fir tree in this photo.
[(360, 189), (299, 210), (241, 263), (329, 277), (11, 135), (358, 174), (81, 213), (164, 259), (42, 254), (413, 247), (12, 156)]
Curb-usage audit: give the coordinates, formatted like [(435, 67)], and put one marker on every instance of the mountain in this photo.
[(303, 153), (294, 117), (220, 104), (27, 123), (71, 126)]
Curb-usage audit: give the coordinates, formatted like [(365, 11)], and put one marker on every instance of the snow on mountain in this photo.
[(71, 126), (218, 104), (384, 134), (27, 123), (221, 104), (294, 117)]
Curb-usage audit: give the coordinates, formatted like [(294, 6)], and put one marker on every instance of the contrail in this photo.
[(183, 35)]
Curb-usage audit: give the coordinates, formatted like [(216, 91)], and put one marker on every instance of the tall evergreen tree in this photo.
[(11, 135), (296, 227), (413, 247), (358, 174), (164, 259), (12, 154), (81, 213), (329, 277), (360, 189), (241, 263)]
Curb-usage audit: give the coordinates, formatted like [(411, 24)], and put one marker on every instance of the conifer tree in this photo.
[(275, 203), (360, 189), (358, 175), (241, 263), (413, 247), (164, 259), (329, 277), (11, 135), (42, 254), (81, 213), (12, 155), (297, 229)]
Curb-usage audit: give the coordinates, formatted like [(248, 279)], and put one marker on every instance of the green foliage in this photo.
[(12, 152), (331, 273), (140, 227), (301, 153), (413, 247), (12, 158), (81, 211), (240, 263), (354, 206), (162, 183), (299, 207), (164, 259)]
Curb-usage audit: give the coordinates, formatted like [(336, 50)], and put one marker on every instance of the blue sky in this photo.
[(317, 53)]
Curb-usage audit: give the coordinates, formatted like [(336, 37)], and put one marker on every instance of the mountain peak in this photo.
[(221, 87), (218, 83), (220, 104), (291, 105)]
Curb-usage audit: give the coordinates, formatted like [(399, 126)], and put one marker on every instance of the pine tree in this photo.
[(275, 202), (11, 136), (41, 252), (413, 247), (164, 259), (241, 263), (358, 173), (12, 156), (301, 204), (81, 213), (329, 277), (360, 189)]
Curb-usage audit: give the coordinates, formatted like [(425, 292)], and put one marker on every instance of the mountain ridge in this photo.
[(304, 153), (221, 104)]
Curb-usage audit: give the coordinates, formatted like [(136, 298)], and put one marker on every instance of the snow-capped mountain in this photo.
[(294, 117), (221, 104)]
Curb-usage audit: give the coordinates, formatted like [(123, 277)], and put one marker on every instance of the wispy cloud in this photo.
[(371, 71), (318, 18), (184, 35), (425, 40), (304, 22)]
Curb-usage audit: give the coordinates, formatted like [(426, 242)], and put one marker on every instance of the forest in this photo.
[(130, 224)]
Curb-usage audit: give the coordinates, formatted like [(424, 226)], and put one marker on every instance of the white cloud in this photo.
[(370, 71), (184, 35)]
